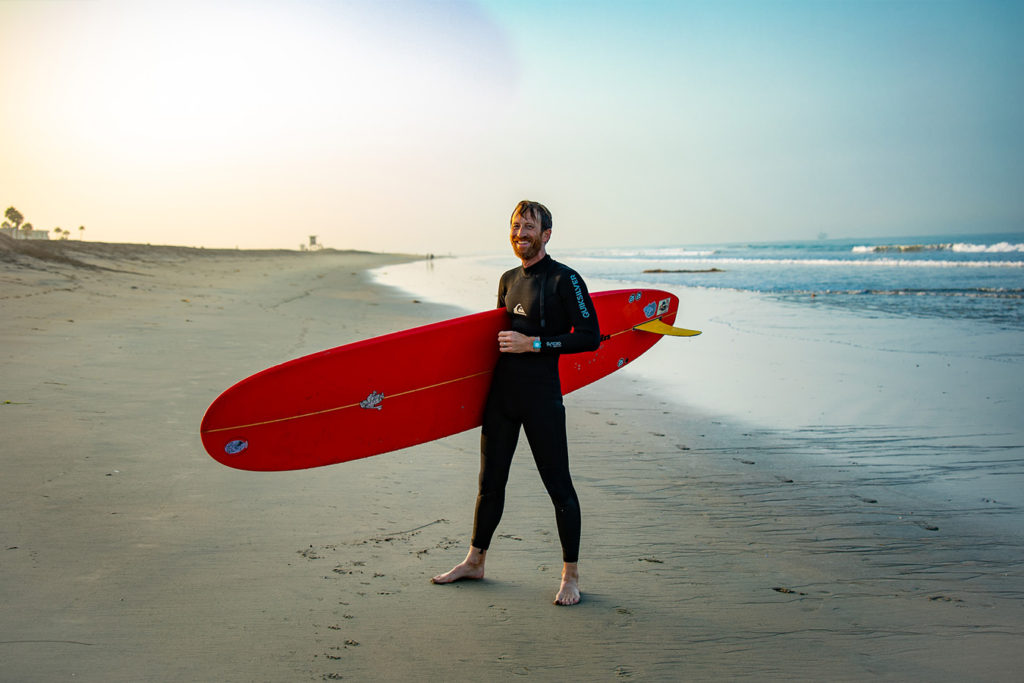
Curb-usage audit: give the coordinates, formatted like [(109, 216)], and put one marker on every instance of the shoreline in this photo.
[(794, 364), (712, 550)]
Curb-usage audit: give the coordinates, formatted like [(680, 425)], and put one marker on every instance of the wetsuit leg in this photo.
[(498, 439), (545, 430)]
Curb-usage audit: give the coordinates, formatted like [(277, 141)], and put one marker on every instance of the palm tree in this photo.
[(27, 229), (81, 231), (14, 216)]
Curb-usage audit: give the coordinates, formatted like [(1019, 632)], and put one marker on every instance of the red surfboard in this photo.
[(405, 388)]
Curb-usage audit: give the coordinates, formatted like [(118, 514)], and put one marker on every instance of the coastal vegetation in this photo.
[(16, 226)]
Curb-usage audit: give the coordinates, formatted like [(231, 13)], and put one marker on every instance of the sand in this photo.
[(711, 550)]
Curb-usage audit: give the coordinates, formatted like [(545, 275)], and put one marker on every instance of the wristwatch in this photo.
[(536, 344)]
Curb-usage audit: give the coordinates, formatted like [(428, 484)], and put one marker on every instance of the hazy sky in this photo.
[(416, 126)]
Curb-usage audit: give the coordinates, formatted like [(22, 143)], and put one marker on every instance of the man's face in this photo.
[(526, 236)]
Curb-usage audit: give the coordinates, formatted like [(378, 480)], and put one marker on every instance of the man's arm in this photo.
[(585, 334)]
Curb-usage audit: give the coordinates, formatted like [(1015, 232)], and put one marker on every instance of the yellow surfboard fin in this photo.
[(658, 327)]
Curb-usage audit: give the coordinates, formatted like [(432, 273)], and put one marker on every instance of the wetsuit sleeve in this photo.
[(502, 288), (585, 334)]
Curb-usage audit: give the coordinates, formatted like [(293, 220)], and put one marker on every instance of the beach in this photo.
[(715, 546)]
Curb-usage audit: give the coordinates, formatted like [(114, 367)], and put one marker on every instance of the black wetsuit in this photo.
[(550, 301)]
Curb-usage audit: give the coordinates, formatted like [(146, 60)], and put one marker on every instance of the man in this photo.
[(550, 313)]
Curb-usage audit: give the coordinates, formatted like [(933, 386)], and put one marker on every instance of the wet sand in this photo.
[(712, 550)]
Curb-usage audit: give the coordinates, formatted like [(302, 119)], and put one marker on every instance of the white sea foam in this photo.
[(844, 263), (980, 293), (959, 247), (649, 253), (910, 248), (1001, 248)]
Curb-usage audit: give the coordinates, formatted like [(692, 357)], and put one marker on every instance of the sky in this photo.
[(416, 126)]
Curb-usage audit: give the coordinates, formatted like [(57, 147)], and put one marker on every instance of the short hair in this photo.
[(535, 210)]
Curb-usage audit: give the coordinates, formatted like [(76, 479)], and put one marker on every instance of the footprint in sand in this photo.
[(310, 553), (500, 613)]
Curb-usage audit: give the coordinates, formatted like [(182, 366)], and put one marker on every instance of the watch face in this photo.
[(536, 343)]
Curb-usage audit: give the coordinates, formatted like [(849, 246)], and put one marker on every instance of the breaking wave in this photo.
[(979, 293), (958, 247), (838, 262)]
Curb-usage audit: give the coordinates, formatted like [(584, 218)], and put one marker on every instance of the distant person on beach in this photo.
[(550, 313)]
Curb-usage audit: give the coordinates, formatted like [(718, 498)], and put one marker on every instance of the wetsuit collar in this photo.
[(538, 266)]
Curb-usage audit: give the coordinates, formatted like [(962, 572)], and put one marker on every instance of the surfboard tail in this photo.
[(659, 327)]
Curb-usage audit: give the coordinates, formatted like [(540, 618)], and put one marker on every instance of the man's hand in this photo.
[(513, 342)]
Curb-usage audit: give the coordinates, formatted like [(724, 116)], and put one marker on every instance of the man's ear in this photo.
[(545, 236)]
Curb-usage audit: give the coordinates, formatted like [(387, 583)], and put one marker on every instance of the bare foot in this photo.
[(569, 591), (470, 568)]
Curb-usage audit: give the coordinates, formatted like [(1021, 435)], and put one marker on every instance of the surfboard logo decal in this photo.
[(663, 306), (635, 297), (650, 309), (235, 447), (373, 401)]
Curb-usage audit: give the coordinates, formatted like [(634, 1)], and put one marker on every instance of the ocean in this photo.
[(905, 354), (976, 277)]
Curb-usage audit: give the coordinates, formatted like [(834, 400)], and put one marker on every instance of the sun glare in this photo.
[(215, 103), (144, 80)]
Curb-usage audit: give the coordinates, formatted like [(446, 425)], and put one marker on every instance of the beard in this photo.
[(529, 251)]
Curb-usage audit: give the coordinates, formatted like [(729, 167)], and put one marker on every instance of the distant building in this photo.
[(18, 234)]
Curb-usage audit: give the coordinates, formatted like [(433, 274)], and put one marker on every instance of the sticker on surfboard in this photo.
[(373, 401), (235, 447)]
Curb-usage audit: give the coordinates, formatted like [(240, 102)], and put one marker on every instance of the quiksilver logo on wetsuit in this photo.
[(579, 295), (519, 310)]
